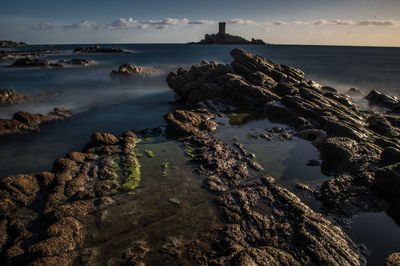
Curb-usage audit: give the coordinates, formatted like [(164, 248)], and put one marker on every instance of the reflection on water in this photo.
[(169, 207), (285, 160), (380, 234)]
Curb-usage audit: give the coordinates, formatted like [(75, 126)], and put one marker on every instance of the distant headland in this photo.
[(223, 38)]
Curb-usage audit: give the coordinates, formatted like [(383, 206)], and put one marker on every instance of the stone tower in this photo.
[(221, 28)]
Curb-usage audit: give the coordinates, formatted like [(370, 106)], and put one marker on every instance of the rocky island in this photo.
[(11, 44), (45, 216), (223, 38)]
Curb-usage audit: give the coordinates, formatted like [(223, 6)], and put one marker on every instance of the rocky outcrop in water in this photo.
[(129, 70), (80, 62), (43, 216), (24, 123), (227, 39), (98, 49), (10, 97), (27, 62), (11, 44), (29, 53)]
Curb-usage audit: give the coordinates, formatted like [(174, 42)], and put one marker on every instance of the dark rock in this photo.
[(388, 181), (97, 49), (182, 122), (377, 98), (11, 44), (10, 97), (390, 155), (393, 259), (24, 123), (354, 92), (27, 62), (132, 70), (81, 62), (227, 39)]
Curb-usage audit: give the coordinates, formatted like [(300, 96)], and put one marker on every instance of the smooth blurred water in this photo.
[(101, 103)]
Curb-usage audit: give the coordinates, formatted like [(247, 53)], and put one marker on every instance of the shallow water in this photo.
[(285, 160), (380, 234), (169, 208)]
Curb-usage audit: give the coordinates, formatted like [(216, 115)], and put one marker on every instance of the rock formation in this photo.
[(24, 123)]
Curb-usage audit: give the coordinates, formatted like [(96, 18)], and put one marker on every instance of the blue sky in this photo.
[(351, 22)]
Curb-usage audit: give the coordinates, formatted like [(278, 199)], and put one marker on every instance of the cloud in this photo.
[(240, 21), (43, 26), (378, 23), (82, 25), (339, 22), (130, 23)]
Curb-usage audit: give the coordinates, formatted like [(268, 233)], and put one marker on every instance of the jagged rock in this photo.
[(132, 70), (377, 98), (182, 122), (393, 260), (44, 216), (10, 97), (24, 123)]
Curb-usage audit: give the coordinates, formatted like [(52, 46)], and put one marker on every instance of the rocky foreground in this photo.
[(43, 216)]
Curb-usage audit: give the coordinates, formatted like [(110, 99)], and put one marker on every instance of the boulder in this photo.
[(27, 62)]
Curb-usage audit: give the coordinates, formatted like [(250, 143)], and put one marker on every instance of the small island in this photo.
[(223, 38), (11, 44)]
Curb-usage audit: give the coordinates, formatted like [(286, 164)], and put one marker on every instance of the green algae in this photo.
[(240, 117), (131, 168), (164, 169), (149, 153), (174, 201), (188, 150)]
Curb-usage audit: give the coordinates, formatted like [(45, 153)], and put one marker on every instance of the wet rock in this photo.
[(130, 70), (393, 260), (10, 97), (354, 92), (390, 155), (27, 62), (377, 98), (81, 62), (388, 180), (44, 216), (136, 255), (316, 136), (24, 123), (182, 122)]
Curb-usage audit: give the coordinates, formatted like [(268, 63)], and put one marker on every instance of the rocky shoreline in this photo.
[(44, 216)]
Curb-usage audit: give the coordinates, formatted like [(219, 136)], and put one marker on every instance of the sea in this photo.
[(104, 103)]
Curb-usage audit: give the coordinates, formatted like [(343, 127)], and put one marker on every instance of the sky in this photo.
[(320, 22)]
